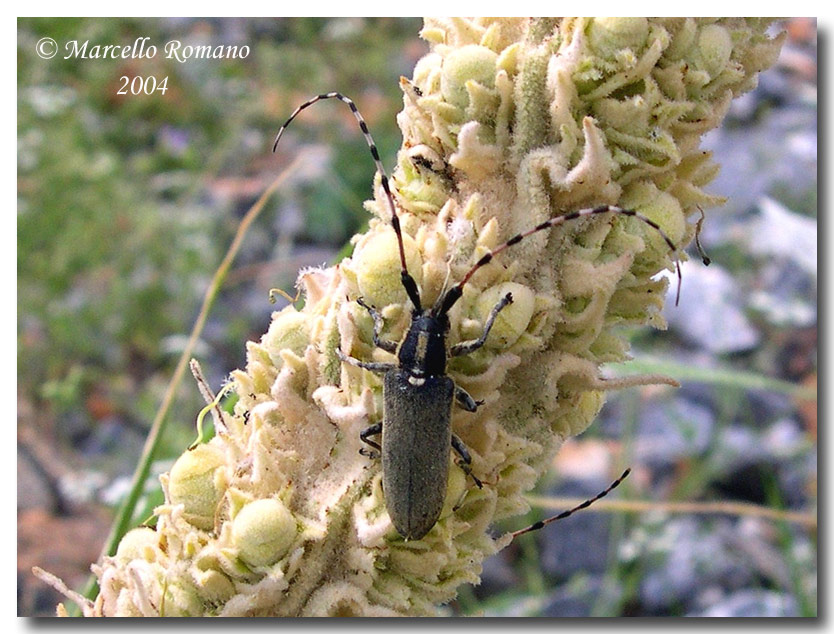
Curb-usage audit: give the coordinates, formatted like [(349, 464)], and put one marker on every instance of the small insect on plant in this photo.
[(416, 431)]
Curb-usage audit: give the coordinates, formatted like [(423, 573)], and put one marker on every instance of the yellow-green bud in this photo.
[(663, 208), (214, 585), (715, 47), (455, 488), (264, 530), (196, 482), (139, 543), (377, 266), (630, 115), (180, 599), (470, 63), (289, 330), (609, 35), (513, 320), (683, 38)]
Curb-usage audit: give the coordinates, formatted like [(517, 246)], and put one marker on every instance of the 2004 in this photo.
[(139, 85)]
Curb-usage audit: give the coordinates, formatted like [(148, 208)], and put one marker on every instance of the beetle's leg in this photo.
[(379, 342), (373, 430), (460, 448), (465, 347), (465, 400), (372, 366)]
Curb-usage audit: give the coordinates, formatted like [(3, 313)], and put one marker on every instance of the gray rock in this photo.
[(578, 544), (711, 314), (753, 603), (670, 430), (690, 557), (777, 232), (497, 575)]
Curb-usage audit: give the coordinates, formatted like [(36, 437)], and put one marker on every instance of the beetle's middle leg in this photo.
[(379, 323), (466, 459), (465, 347), (465, 400), (373, 430)]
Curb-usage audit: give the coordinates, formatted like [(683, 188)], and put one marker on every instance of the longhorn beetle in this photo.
[(417, 394)]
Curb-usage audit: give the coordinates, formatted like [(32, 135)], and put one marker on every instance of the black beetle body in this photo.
[(416, 437), (416, 424), (417, 395)]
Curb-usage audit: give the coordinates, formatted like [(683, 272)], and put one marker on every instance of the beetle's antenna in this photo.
[(456, 291), (542, 523), (407, 280), (698, 226)]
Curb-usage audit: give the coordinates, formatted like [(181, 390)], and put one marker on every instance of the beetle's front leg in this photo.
[(460, 448), (372, 366), (465, 400), (465, 347), (373, 430), (379, 323)]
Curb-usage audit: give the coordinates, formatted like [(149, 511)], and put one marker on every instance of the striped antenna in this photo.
[(541, 524), (456, 291), (407, 280)]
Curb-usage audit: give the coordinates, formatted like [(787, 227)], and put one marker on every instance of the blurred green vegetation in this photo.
[(126, 203)]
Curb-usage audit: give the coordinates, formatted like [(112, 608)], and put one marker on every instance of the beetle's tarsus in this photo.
[(467, 347), (373, 430), (379, 324), (368, 453)]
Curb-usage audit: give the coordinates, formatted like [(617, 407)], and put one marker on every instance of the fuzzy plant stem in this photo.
[(506, 124)]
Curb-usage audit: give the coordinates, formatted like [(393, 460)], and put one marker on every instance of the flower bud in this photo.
[(715, 48), (377, 265), (470, 63), (513, 319), (196, 482), (180, 599), (609, 35), (139, 543), (289, 330), (214, 585), (645, 198), (455, 488), (264, 530)]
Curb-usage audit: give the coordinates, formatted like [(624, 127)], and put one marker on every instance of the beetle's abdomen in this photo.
[(416, 440)]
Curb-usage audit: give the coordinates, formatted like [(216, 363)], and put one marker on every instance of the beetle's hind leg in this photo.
[(465, 347), (373, 430), (379, 324), (466, 459)]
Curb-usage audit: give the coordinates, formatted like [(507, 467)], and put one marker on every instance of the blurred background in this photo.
[(127, 203)]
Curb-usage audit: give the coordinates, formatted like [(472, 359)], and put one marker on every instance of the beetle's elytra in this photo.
[(418, 396), (415, 481)]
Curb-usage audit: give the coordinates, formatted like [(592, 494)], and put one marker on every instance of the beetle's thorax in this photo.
[(423, 351)]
